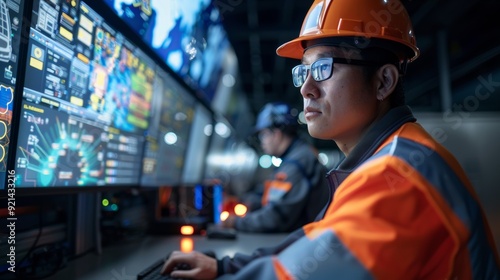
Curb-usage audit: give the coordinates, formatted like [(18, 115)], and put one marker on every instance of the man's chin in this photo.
[(317, 133)]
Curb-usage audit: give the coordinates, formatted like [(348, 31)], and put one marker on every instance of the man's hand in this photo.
[(201, 265)]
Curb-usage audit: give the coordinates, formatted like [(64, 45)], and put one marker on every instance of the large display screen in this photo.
[(196, 155), (86, 101), (229, 159), (168, 134), (187, 35), (10, 38)]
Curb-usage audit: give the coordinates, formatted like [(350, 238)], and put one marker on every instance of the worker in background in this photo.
[(403, 208), (297, 190)]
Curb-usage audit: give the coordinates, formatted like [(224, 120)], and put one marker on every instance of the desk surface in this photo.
[(125, 260)]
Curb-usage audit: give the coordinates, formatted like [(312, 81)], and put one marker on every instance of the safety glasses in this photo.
[(322, 69)]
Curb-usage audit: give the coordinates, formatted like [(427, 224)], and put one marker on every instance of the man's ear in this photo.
[(387, 78)]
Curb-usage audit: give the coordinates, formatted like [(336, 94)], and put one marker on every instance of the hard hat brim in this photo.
[(295, 48)]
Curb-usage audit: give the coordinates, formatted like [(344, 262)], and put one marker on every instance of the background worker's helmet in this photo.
[(356, 24), (277, 115)]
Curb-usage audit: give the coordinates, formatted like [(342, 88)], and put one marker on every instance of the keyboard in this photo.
[(152, 272)]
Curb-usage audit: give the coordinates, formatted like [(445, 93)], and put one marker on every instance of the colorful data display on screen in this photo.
[(187, 35), (10, 38), (167, 137), (86, 101)]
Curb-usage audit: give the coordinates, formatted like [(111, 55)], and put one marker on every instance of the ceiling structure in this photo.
[(459, 42)]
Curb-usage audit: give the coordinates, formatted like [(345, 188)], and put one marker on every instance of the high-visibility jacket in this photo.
[(294, 195), (402, 209)]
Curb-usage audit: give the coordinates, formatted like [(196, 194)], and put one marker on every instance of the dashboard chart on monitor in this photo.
[(86, 101)]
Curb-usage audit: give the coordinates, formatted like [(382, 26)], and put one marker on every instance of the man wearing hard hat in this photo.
[(402, 207), (297, 190)]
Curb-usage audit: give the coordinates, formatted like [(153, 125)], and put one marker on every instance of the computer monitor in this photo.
[(11, 16), (167, 137), (187, 35), (86, 101), (230, 159), (196, 156)]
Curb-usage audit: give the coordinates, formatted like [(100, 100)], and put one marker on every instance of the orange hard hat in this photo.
[(357, 24)]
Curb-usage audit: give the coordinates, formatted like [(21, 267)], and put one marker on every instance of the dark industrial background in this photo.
[(459, 43)]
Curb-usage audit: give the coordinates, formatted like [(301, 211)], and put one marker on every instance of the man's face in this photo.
[(267, 138), (341, 107)]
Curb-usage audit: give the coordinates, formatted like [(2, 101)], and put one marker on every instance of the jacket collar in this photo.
[(373, 138)]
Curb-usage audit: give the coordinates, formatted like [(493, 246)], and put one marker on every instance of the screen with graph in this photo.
[(86, 101)]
